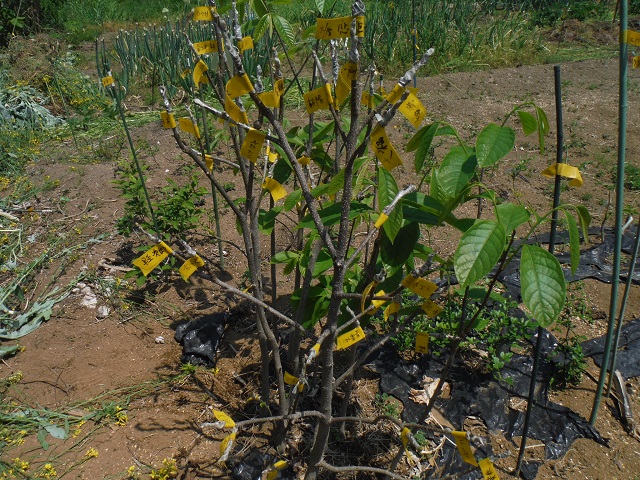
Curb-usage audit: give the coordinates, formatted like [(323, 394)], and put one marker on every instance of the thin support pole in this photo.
[(414, 34), (552, 244), (615, 274), (623, 307)]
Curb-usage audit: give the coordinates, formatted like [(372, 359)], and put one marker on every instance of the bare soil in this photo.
[(78, 356)]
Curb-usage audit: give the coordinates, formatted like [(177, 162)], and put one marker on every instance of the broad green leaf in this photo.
[(261, 28), (543, 127), (528, 121), (260, 7), (423, 147), (284, 29), (318, 298), (493, 143), (585, 220), (267, 219), (543, 287), (284, 257), (42, 438), (56, 432), (511, 216), (574, 241), (397, 252), (387, 191), (292, 199), (414, 142), (456, 171), (8, 350), (417, 215), (331, 215), (323, 263), (478, 252), (319, 6)]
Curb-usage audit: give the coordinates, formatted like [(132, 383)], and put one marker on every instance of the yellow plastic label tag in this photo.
[(488, 470), (365, 294), (383, 217), (564, 170), (318, 99), (290, 379), (208, 46), (190, 266), (422, 342), (209, 161), (348, 73), (202, 14), (635, 62), (245, 44), (316, 347), (304, 160), (413, 110), (107, 81), (367, 100), (238, 86), (350, 338), (419, 286), (198, 73), (273, 473), (464, 447), (168, 120), (431, 308), (383, 149), (395, 94), (391, 309), (270, 99), (226, 443), (378, 303), (278, 87), (186, 125), (252, 145), (276, 190), (631, 38), (330, 28), (234, 111), (185, 72), (223, 417), (272, 156), (404, 436), (152, 258)]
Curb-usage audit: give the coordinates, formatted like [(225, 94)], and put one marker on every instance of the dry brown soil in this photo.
[(78, 356)]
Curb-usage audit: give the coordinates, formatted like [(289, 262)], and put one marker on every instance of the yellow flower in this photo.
[(78, 430), (22, 465), (91, 453), (48, 471)]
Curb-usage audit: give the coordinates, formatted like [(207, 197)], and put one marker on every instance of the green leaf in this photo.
[(56, 432), (414, 142), (574, 241), (260, 7), (585, 220), (543, 287), (456, 171), (543, 127), (478, 252), (267, 219), (261, 28), (284, 257), (511, 216), (319, 6), (42, 438), (323, 263), (493, 143), (387, 191), (528, 121), (284, 29), (292, 200), (423, 146), (395, 253), (331, 215), (8, 350)]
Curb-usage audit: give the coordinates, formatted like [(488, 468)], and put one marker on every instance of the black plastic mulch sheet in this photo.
[(200, 338), (481, 396), (595, 261), (628, 356)]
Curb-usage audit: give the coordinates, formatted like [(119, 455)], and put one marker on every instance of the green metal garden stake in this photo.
[(552, 244), (623, 307), (615, 274)]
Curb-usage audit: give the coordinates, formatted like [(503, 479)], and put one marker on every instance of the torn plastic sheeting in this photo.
[(480, 395), (200, 338), (628, 356), (251, 466)]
